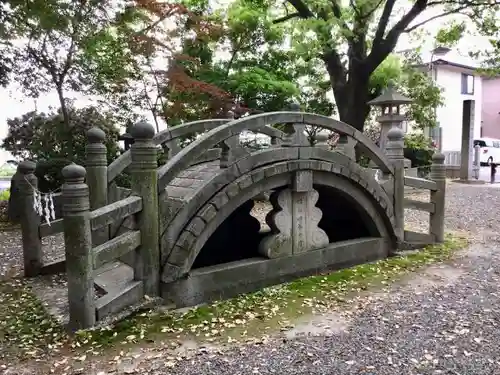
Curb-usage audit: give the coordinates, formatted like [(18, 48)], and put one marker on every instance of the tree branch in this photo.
[(375, 7), (72, 49), (384, 47), (453, 11), (286, 18), (337, 12), (301, 8), (383, 21)]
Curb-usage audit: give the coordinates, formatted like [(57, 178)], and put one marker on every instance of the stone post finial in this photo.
[(27, 167), (142, 131), (144, 181), (321, 139), (97, 177), (30, 221), (395, 134), (438, 158), (74, 173), (78, 241), (438, 196), (96, 135), (394, 148)]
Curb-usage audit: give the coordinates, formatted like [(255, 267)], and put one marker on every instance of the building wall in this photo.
[(449, 116), (491, 108)]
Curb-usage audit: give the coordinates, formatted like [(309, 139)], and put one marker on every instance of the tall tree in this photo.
[(163, 65), (64, 46), (353, 40), (246, 60)]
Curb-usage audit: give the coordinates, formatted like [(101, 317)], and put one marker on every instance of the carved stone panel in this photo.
[(279, 219), (294, 224)]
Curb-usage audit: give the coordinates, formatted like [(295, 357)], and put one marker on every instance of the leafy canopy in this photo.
[(42, 137)]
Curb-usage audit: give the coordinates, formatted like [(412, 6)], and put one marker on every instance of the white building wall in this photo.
[(449, 116)]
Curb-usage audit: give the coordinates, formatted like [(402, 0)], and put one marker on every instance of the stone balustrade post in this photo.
[(438, 175), (78, 247), (477, 161), (231, 149), (144, 180), (394, 150), (296, 135), (345, 146), (97, 177), (322, 139), (30, 220)]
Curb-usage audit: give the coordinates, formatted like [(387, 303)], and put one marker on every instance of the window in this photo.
[(467, 84), (480, 143)]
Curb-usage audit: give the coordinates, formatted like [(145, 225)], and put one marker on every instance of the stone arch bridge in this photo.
[(185, 228)]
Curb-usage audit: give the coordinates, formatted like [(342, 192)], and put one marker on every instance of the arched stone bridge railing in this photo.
[(170, 138), (221, 134)]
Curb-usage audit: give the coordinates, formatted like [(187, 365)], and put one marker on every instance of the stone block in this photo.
[(228, 280), (207, 213), (302, 181)]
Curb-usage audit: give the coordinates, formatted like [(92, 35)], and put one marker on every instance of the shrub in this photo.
[(46, 139), (4, 205), (4, 195), (419, 150)]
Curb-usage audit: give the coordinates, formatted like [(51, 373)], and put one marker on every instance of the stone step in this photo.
[(113, 276)]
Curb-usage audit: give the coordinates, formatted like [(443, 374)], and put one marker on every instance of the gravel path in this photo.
[(11, 252), (445, 320), (469, 208)]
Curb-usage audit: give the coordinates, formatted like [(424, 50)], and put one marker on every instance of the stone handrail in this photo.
[(115, 211), (171, 135), (182, 160), (436, 204), (98, 218), (420, 183)]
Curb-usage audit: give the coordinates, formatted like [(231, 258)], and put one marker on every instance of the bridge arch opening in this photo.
[(238, 237)]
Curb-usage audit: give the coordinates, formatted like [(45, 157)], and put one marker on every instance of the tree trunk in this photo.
[(351, 90), (352, 101), (67, 123)]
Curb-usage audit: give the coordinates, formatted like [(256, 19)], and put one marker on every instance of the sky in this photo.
[(14, 103)]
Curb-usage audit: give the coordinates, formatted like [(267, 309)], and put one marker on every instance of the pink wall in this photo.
[(491, 108)]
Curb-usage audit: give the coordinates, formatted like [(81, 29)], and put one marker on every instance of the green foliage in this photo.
[(4, 195), (353, 42), (414, 83), (419, 150), (7, 170), (389, 71), (42, 137), (82, 46), (256, 78), (426, 95), (450, 34)]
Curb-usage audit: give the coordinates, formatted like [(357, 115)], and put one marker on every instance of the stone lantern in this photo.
[(390, 103), (126, 137)]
